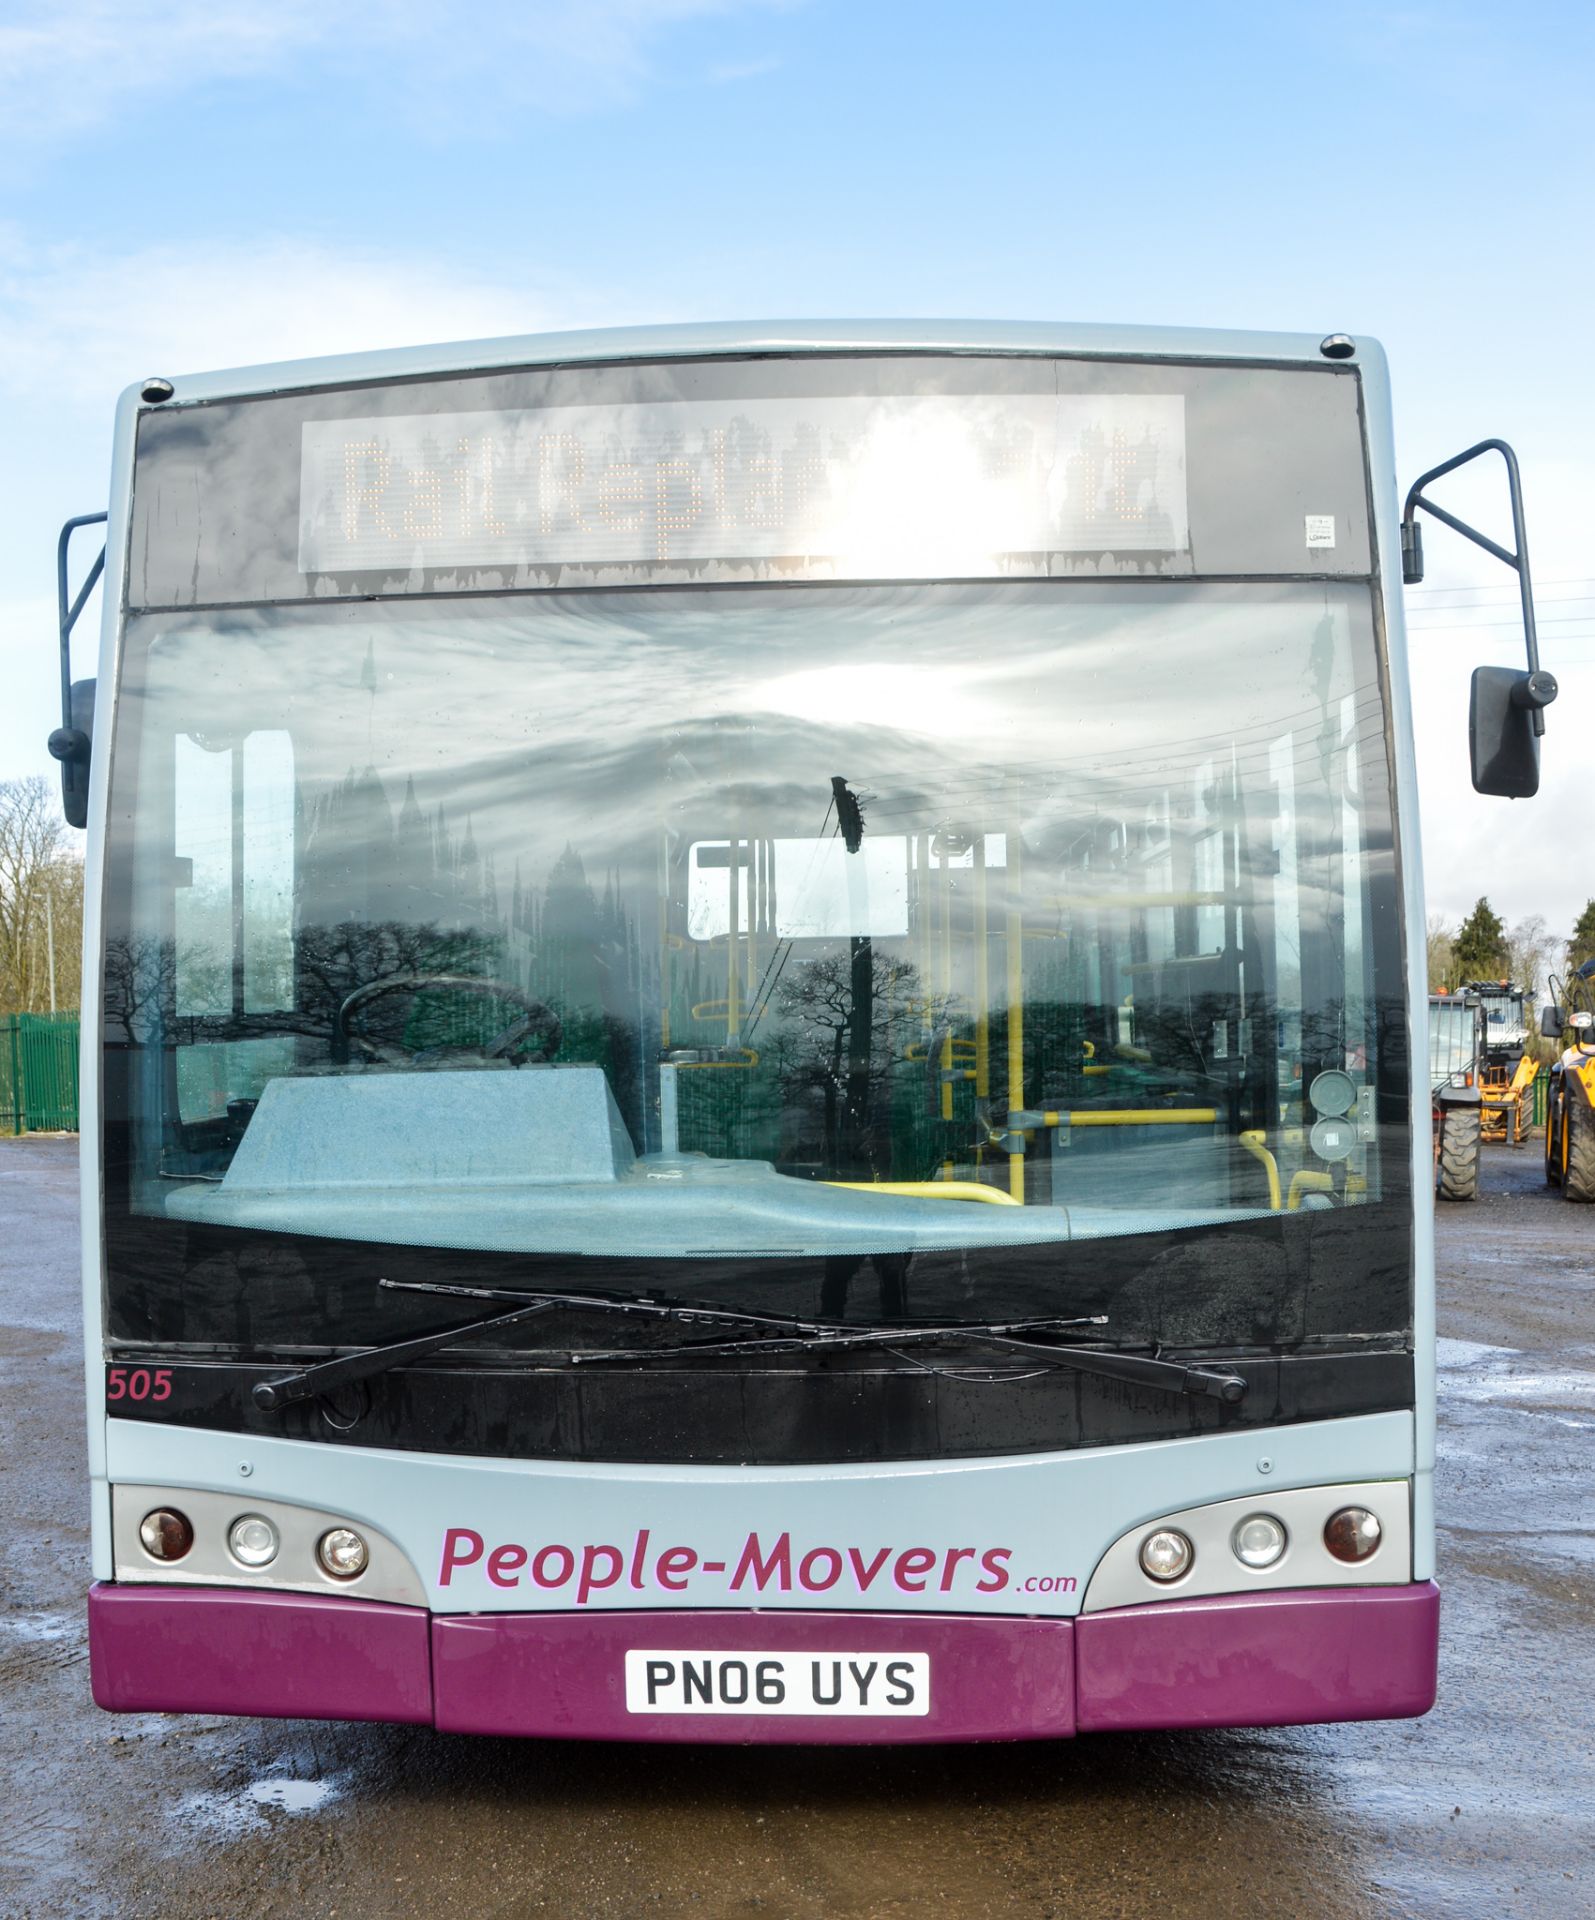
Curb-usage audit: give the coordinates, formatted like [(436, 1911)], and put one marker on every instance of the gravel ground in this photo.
[(1486, 1808)]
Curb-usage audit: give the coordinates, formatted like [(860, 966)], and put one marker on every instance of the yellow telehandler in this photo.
[(1570, 1106)]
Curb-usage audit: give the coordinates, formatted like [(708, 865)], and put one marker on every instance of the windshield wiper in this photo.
[(776, 1333), (327, 1375), (1142, 1370)]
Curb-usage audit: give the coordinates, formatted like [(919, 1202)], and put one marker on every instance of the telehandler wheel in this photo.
[(1553, 1136), (1578, 1122), (1459, 1153)]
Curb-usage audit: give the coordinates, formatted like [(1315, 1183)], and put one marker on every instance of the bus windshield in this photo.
[(709, 928)]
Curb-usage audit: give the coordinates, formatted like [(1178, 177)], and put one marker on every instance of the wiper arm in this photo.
[(1142, 1370), (273, 1395)]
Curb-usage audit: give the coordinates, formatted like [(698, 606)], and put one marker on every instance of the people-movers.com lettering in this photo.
[(761, 1565)]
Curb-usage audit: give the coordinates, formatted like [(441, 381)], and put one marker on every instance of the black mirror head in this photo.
[(1502, 743), (1551, 1023), (72, 746)]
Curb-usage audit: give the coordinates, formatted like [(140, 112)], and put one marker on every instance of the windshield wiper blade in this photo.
[(789, 1334), (685, 1313), (1143, 1370), (327, 1375)]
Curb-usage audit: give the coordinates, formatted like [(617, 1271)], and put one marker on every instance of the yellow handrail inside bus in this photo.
[(1255, 1143), (1117, 1117), (1305, 1182), (932, 1190)]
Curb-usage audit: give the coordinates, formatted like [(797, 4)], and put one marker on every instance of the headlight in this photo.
[(1258, 1540), (1166, 1555), (342, 1553), (1353, 1534), (165, 1534), (252, 1540)]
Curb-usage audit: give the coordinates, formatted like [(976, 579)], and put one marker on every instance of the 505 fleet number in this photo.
[(138, 1383)]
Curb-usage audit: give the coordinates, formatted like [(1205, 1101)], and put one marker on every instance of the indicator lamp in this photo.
[(1353, 1534), (1258, 1540), (165, 1534), (1166, 1555), (252, 1540), (342, 1553)]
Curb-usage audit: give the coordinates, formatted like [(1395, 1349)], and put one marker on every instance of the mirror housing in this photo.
[(72, 745), (1503, 743), (1551, 1023)]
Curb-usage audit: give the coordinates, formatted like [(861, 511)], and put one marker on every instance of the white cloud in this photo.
[(78, 328), (66, 65), (81, 326)]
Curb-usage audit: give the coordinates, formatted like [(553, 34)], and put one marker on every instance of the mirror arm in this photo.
[(1538, 689), (69, 743)]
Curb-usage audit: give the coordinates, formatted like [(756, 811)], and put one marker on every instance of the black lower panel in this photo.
[(700, 1414)]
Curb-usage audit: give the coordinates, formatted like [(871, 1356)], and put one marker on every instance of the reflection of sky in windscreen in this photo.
[(595, 721)]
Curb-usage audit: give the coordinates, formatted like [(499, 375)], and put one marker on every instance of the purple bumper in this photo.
[(1239, 1660)]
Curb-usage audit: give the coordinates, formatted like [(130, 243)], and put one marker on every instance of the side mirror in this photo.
[(72, 745), (1502, 742), (1551, 1023), (1506, 714), (71, 741)]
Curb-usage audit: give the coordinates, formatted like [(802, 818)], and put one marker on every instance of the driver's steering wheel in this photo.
[(534, 1035)]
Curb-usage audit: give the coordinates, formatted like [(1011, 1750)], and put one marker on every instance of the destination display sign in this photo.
[(850, 486)]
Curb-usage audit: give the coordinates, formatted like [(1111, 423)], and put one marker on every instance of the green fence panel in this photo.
[(39, 1073), (1540, 1087)]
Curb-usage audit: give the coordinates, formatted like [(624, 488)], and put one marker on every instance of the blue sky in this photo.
[(187, 185)]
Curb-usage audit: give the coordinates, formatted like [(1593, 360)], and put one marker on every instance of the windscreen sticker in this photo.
[(1320, 529)]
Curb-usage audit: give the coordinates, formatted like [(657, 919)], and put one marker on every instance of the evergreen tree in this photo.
[(1480, 951), (1581, 946)]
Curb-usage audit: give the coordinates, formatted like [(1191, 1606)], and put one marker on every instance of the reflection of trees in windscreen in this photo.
[(385, 893), (842, 1016)]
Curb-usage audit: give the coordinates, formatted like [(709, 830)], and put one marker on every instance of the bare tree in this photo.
[(840, 1010), (41, 902), (1441, 947), (1532, 951)]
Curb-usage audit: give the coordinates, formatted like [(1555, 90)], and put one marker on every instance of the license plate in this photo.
[(671, 1680)]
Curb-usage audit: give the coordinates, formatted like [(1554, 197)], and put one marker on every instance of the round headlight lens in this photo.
[(1353, 1534), (165, 1534), (1258, 1540), (342, 1553), (252, 1540), (1166, 1555)]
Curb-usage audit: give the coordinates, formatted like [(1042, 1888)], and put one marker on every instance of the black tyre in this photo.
[(1578, 1183), (1459, 1153), (1553, 1135)]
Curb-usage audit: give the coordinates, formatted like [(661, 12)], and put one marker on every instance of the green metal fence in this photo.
[(38, 1073)]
